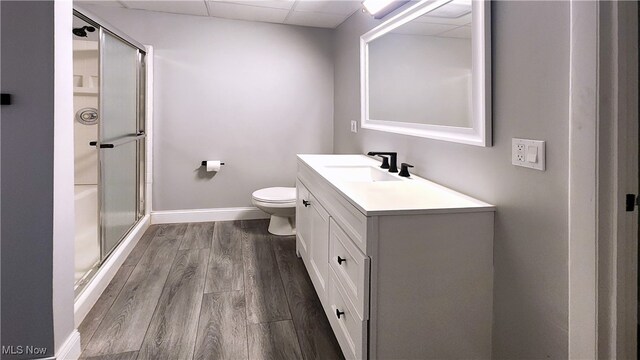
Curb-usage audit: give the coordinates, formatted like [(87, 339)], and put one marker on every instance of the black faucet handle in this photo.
[(385, 162), (404, 169), (393, 158)]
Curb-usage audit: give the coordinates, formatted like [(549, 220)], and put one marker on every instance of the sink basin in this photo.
[(362, 173)]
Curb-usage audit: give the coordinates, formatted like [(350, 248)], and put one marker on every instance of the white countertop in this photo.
[(413, 195)]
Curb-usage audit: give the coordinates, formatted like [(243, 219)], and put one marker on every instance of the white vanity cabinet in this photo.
[(403, 268), (313, 224)]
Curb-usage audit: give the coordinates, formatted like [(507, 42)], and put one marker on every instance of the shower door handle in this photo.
[(120, 141), (102, 146)]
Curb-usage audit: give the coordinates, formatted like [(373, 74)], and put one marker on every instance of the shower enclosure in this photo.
[(109, 124)]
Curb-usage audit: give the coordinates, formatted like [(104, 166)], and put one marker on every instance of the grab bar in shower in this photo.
[(120, 141)]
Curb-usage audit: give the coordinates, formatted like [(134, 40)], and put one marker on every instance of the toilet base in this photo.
[(282, 225)]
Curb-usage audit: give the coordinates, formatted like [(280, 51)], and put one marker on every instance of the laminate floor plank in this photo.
[(315, 335), (124, 326), (273, 340), (198, 236), (93, 319), (258, 226), (222, 329), (266, 299), (245, 296), (141, 246), (96, 314), (173, 328), (132, 355), (225, 271)]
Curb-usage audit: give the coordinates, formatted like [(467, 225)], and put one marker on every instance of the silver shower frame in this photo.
[(95, 20), (104, 26)]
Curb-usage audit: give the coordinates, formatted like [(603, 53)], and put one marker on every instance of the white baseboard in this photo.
[(107, 271), (70, 350), (204, 215)]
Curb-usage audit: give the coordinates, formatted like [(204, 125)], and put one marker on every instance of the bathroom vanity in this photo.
[(403, 266)]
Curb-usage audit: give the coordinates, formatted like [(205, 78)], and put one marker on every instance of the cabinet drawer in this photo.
[(350, 330), (351, 267)]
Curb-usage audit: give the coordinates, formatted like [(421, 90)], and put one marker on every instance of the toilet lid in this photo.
[(276, 194)]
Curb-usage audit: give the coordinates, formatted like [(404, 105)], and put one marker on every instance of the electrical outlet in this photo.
[(354, 126), (528, 153)]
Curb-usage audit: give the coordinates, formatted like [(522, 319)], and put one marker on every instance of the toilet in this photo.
[(280, 203)]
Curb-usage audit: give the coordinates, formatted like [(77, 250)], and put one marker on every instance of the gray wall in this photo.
[(27, 175), (531, 93), (420, 79), (250, 94)]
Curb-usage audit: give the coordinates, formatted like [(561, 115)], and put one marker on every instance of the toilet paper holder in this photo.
[(204, 163)]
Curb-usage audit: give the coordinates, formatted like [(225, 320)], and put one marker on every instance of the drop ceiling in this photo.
[(430, 25), (323, 14)]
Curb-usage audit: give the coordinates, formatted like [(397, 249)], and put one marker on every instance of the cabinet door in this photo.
[(303, 222), (319, 248)]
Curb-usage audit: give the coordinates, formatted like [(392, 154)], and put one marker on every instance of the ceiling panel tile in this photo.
[(463, 20), (418, 28), (321, 20), (462, 32), (343, 7), (246, 12), (452, 10), (276, 4), (187, 7)]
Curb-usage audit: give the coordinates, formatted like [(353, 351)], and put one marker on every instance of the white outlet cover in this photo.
[(354, 126), (519, 150)]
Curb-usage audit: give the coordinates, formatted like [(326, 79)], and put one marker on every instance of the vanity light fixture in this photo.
[(382, 8)]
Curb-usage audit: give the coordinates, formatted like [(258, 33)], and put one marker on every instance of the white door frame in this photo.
[(603, 167)]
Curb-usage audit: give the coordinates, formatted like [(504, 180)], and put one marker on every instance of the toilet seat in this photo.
[(276, 195)]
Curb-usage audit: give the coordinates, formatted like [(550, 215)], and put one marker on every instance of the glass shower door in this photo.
[(120, 139)]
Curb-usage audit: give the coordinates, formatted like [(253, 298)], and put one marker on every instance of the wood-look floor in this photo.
[(224, 290)]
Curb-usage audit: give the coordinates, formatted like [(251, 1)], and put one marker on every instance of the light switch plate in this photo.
[(528, 153), (354, 126)]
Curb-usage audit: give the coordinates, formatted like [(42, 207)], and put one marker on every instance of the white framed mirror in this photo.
[(427, 72)]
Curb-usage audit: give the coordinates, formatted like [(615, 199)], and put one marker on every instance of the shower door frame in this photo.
[(86, 297), (141, 146)]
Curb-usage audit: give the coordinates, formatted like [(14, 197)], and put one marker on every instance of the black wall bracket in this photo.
[(5, 99), (204, 163), (630, 202)]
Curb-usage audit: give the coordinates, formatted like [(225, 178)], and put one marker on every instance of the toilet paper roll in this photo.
[(213, 165)]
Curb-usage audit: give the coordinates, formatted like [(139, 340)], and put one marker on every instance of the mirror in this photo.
[(427, 72)]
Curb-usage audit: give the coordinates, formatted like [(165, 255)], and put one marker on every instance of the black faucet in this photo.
[(404, 169), (385, 162), (393, 164)]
